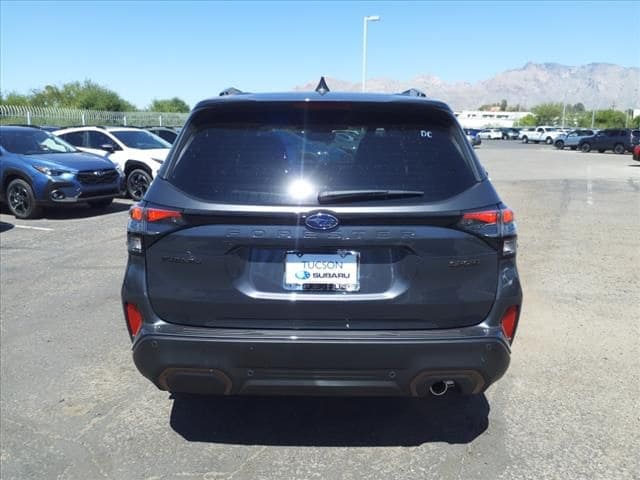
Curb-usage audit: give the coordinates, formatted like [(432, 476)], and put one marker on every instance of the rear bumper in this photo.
[(227, 362)]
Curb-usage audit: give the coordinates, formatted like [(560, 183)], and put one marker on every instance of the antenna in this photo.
[(414, 92), (322, 87), (230, 91)]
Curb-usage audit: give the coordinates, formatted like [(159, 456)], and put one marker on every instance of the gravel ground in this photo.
[(74, 406)]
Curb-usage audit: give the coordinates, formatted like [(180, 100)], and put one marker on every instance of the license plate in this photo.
[(322, 271)]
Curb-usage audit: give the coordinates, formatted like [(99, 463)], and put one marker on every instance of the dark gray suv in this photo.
[(322, 243)]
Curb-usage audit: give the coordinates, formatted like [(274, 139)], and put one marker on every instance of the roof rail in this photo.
[(20, 125), (413, 92), (230, 91)]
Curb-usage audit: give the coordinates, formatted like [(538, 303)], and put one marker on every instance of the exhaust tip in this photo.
[(440, 388)]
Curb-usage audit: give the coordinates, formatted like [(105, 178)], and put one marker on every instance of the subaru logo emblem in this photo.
[(303, 275), (321, 221)]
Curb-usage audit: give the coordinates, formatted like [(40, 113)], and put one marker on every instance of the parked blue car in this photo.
[(38, 169)]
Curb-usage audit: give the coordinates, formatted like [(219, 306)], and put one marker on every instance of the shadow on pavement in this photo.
[(67, 212), (329, 421), (4, 226)]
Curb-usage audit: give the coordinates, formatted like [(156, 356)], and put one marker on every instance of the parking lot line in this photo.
[(27, 227)]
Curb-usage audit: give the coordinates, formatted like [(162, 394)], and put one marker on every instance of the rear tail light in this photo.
[(146, 222), (509, 322), (496, 226), (138, 213), (134, 318)]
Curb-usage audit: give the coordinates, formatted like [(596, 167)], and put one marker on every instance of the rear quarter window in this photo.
[(286, 155)]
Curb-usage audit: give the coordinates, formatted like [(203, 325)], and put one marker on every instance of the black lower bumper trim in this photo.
[(289, 367)]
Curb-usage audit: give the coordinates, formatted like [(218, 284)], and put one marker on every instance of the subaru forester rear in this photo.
[(322, 243)]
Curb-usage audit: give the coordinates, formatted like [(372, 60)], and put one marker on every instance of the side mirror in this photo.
[(107, 147)]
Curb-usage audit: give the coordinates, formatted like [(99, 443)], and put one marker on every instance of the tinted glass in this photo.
[(98, 139), (289, 157), (33, 142), (166, 135), (140, 139), (74, 138)]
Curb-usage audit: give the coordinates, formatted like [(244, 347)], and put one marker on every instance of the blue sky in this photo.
[(147, 50)]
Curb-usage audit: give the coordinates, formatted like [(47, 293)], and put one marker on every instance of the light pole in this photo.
[(366, 20)]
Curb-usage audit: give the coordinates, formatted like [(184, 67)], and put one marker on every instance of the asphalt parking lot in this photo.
[(74, 406)]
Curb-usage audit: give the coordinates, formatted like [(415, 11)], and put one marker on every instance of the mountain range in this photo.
[(596, 85)]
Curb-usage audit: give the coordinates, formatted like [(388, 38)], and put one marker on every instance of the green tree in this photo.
[(547, 113), (578, 108), (503, 105), (610, 119), (528, 121), (170, 105), (83, 95), (13, 98)]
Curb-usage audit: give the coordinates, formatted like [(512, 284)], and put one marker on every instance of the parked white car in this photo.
[(137, 152), (543, 133), (490, 134)]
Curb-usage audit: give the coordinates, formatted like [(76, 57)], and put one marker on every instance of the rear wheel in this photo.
[(21, 200), (619, 148), (559, 144), (585, 147), (102, 203), (525, 140), (138, 182)]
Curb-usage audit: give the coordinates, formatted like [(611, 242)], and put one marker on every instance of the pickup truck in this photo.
[(541, 134)]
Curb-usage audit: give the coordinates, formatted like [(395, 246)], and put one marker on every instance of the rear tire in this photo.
[(559, 144), (585, 147), (138, 182), (525, 140), (22, 201), (619, 148), (102, 203)]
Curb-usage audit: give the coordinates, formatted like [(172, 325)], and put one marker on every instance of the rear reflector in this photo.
[(134, 318), (508, 322)]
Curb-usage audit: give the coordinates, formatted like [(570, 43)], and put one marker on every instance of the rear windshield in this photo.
[(289, 155)]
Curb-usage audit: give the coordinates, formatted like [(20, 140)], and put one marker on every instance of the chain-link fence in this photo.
[(63, 117)]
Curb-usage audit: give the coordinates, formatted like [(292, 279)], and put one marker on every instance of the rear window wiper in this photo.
[(364, 195)]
